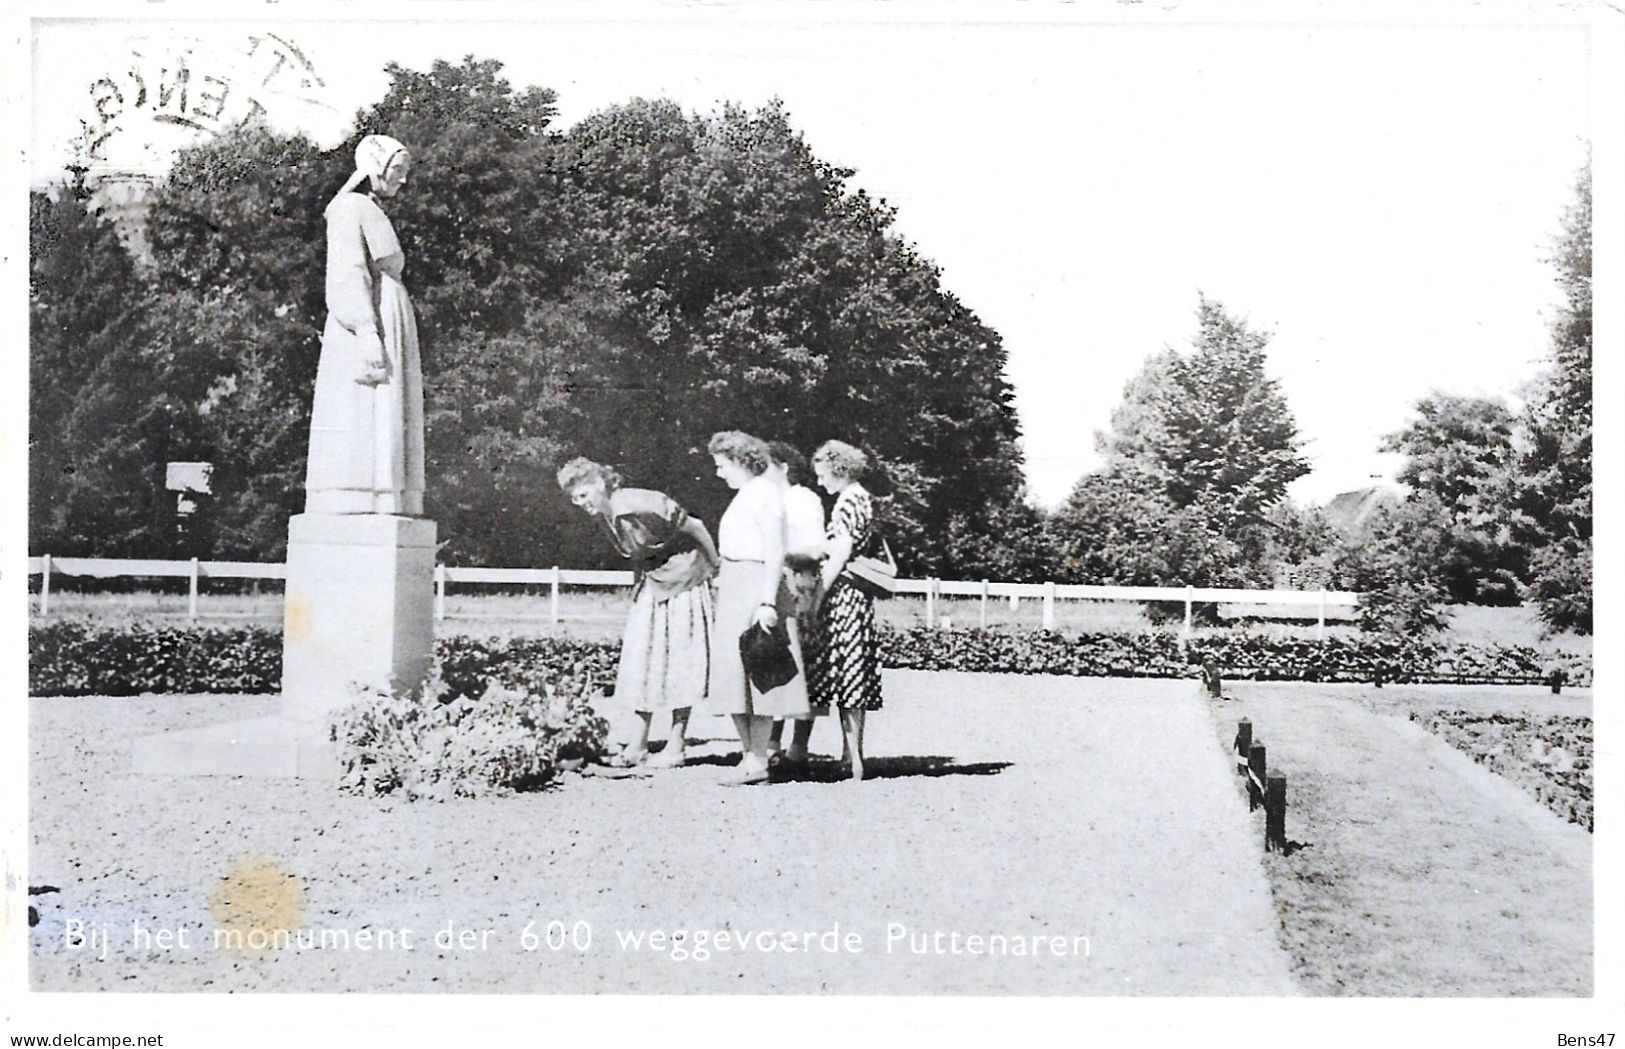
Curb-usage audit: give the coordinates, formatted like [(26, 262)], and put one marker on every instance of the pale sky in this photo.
[(1381, 197)]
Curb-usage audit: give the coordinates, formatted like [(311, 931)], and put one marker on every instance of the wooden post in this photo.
[(191, 593), (930, 602), (553, 600), (1275, 813), (1320, 626), (439, 592), (1049, 605), (45, 586), (1185, 632), (1244, 744), (984, 605), (1255, 765)]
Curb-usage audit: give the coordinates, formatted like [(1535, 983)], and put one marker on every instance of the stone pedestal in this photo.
[(358, 613)]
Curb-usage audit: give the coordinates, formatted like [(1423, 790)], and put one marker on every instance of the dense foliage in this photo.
[(619, 289), (69, 657), (624, 287), (1500, 508), (1556, 496), (1197, 462), (516, 732), (101, 424), (1463, 470)]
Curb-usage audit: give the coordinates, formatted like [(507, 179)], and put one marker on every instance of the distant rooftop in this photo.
[(1351, 510)]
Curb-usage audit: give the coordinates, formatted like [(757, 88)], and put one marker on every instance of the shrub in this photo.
[(68, 657), (514, 733), (71, 658), (1157, 654)]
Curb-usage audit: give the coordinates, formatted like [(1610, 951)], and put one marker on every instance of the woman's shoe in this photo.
[(627, 759), (667, 759), (746, 778)]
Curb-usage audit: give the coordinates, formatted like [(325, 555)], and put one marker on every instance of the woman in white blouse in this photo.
[(750, 592)]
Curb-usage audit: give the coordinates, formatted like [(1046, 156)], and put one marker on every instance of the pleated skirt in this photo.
[(666, 651)]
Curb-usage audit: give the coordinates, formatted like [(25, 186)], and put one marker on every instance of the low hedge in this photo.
[(76, 658), (1251, 657), (69, 657)]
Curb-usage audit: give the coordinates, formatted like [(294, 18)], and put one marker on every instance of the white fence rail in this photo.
[(933, 590)]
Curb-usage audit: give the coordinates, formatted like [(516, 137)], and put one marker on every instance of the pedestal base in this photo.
[(273, 746), (358, 615)]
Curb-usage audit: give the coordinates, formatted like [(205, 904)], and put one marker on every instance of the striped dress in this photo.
[(843, 657)]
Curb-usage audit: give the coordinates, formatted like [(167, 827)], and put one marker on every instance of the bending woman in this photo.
[(842, 652), (750, 592), (665, 661)]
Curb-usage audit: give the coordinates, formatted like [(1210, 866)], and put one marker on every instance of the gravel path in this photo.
[(1041, 810)]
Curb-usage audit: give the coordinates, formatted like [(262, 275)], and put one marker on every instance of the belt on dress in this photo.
[(744, 560)]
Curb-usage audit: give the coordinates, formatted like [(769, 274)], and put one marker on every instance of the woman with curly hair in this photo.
[(750, 593), (843, 658), (665, 663)]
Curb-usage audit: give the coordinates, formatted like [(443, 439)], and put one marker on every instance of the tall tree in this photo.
[(1206, 434), (1462, 451), (101, 423), (1232, 444), (1558, 466)]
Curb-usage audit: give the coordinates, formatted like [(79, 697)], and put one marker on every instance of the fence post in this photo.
[(1049, 605), (1185, 631), (1244, 745), (191, 593), (45, 586), (1275, 814), (553, 599), (984, 604), (1255, 782), (439, 592), (1320, 627), (930, 602)]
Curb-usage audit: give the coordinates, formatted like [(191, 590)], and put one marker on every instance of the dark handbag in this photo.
[(769, 663)]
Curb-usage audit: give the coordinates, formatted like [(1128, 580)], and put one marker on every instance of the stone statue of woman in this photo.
[(366, 425)]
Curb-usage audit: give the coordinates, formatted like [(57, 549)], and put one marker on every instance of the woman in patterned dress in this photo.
[(665, 663), (843, 657)]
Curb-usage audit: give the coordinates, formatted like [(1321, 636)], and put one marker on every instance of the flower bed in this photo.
[(77, 658), (1549, 756), (515, 731)]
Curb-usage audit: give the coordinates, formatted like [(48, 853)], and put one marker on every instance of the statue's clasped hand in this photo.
[(375, 370)]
